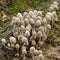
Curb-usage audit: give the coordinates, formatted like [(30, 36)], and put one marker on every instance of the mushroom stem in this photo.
[(33, 57), (24, 58)]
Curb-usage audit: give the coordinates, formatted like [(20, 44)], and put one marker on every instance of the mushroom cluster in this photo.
[(30, 32), (53, 6)]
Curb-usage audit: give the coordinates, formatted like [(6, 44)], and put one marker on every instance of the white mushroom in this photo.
[(23, 48), (13, 20), (12, 40), (26, 21), (12, 45), (56, 7), (39, 52), (39, 34), (54, 14), (8, 45), (31, 13), (35, 12), (38, 23), (25, 14), (50, 14), (17, 20), (36, 52), (51, 8), (19, 15), (22, 28), (33, 42), (29, 25), (44, 36), (41, 57), (32, 49), (48, 26), (24, 52), (25, 41), (39, 18), (34, 34), (55, 3), (34, 17), (28, 28), (17, 46), (44, 21), (3, 41), (27, 33), (32, 21), (39, 13), (48, 18), (45, 29), (41, 28)]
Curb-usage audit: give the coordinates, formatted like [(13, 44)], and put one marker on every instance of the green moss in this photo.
[(22, 5), (18, 6)]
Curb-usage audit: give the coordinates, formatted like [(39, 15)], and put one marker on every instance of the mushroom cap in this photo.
[(25, 14), (28, 17), (56, 7), (48, 26), (27, 33), (40, 52), (33, 43), (3, 41), (23, 47), (44, 21), (41, 28), (31, 13), (32, 21), (54, 14), (8, 45), (39, 13), (20, 37), (28, 28), (17, 20), (32, 49), (35, 12), (48, 18), (49, 14), (55, 3), (22, 22), (19, 15), (17, 46), (24, 51), (39, 18), (13, 18), (40, 57), (25, 41), (39, 34), (51, 8), (36, 52), (34, 17), (26, 21), (12, 40), (22, 28), (12, 45), (38, 23), (29, 25)]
